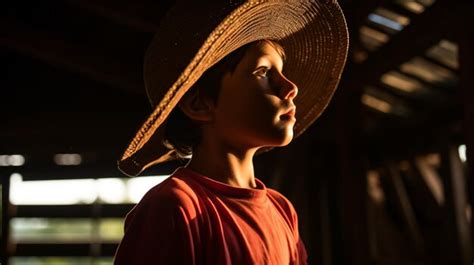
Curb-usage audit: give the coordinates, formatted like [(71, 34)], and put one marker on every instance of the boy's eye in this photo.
[(262, 71)]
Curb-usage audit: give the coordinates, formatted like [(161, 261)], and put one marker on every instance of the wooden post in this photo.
[(458, 246), (404, 205), (466, 61), (5, 195), (352, 180)]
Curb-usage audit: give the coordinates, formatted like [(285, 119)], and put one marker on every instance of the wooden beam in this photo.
[(466, 95), (72, 211), (438, 63), (416, 103), (399, 9), (428, 201), (438, 89), (5, 203), (405, 208), (68, 131), (351, 175), (396, 142), (459, 245), (33, 87), (427, 28), (63, 249), (143, 15), (84, 58)]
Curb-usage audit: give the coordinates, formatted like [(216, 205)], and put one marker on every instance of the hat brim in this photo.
[(313, 33)]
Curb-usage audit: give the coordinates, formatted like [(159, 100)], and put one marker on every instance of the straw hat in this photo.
[(194, 36)]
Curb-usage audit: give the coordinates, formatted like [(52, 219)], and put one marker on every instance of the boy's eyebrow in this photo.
[(269, 58)]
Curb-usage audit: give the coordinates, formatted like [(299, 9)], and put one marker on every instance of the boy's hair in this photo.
[(182, 133)]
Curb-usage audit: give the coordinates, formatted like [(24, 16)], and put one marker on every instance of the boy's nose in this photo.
[(289, 90)]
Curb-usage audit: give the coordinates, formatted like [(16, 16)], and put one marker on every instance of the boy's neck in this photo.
[(232, 168)]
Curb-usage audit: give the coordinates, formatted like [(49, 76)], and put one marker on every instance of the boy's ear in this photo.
[(197, 107)]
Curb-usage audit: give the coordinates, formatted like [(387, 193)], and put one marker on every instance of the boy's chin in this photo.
[(286, 142), (282, 141)]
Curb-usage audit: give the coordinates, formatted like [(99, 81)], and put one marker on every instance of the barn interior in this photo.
[(384, 176)]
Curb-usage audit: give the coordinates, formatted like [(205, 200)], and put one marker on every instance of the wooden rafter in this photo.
[(427, 28)]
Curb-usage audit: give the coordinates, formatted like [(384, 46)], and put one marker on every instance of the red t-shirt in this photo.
[(192, 219)]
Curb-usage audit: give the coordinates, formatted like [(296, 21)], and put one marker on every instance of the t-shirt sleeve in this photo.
[(157, 231)]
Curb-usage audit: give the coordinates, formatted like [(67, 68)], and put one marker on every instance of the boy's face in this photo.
[(253, 101)]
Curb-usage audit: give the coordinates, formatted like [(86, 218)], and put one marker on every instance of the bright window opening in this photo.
[(12, 160), (80, 191)]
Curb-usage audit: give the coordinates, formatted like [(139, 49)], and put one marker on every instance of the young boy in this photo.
[(227, 101)]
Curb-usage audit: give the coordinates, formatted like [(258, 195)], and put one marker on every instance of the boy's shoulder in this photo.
[(176, 190)]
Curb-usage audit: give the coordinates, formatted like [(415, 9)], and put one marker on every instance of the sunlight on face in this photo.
[(254, 102)]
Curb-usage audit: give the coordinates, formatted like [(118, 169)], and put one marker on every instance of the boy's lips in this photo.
[(289, 114)]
